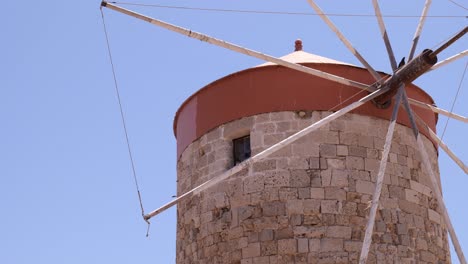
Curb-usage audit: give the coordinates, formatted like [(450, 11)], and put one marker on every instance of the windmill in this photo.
[(381, 92)]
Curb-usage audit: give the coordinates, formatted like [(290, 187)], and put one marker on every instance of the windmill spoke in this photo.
[(441, 144), (438, 110), (435, 185), (236, 48), (384, 33), (266, 152), (419, 28), (344, 40), (380, 178), (449, 60)]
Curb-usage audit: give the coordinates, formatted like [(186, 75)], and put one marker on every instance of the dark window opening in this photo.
[(241, 149)]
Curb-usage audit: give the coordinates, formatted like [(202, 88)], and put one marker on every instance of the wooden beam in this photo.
[(265, 153), (380, 179)]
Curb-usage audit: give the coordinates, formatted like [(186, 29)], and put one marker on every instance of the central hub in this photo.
[(405, 75)]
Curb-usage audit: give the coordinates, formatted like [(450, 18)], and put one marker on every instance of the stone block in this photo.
[(411, 196), (421, 244), (317, 193), (327, 150), (412, 208), (434, 216), (294, 207), (314, 245), (365, 187), (264, 165), (339, 164), (373, 154), (353, 246), (326, 176), (331, 244), (287, 246), (339, 178), (269, 248), (349, 208), (366, 141), (286, 194), (329, 206), (247, 261), (308, 149), (342, 150), (338, 232), (372, 165), (402, 229), (313, 163), (274, 208), (311, 206), (245, 212), (266, 235), (253, 184), (335, 193), (299, 178), (277, 178), (299, 163), (357, 151), (427, 256), (303, 193), (356, 163), (302, 245), (295, 220), (350, 139)]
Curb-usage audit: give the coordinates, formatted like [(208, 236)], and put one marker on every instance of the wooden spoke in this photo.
[(449, 60), (236, 48), (344, 40), (447, 150), (435, 185), (419, 28), (380, 179), (384, 33), (266, 152), (438, 110)]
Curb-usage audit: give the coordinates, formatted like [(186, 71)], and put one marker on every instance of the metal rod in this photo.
[(236, 48), (438, 110), (449, 60), (380, 179), (384, 33), (434, 182), (266, 152), (450, 41), (344, 40), (417, 34)]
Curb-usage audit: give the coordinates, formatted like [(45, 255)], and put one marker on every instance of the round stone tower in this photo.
[(309, 201)]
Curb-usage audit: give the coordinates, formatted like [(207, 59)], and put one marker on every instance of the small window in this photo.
[(241, 149)]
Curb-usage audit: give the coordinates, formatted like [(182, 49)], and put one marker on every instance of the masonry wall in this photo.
[(308, 202)]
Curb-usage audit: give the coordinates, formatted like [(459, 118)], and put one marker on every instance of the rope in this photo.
[(454, 100), (455, 3), (277, 12), (122, 116)]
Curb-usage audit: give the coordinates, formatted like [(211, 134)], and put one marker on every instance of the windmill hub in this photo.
[(405, 75)]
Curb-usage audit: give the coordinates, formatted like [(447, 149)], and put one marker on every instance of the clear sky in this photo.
[(66, 188)]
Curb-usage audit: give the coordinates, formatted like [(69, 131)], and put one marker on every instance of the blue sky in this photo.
[(66, 188)]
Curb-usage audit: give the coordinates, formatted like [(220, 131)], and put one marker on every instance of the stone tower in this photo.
[(308, 202)]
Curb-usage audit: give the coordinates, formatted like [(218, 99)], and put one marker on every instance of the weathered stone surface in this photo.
[(365, 187), (252, 250), (308, 202), (330, 244), (287, 246)]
